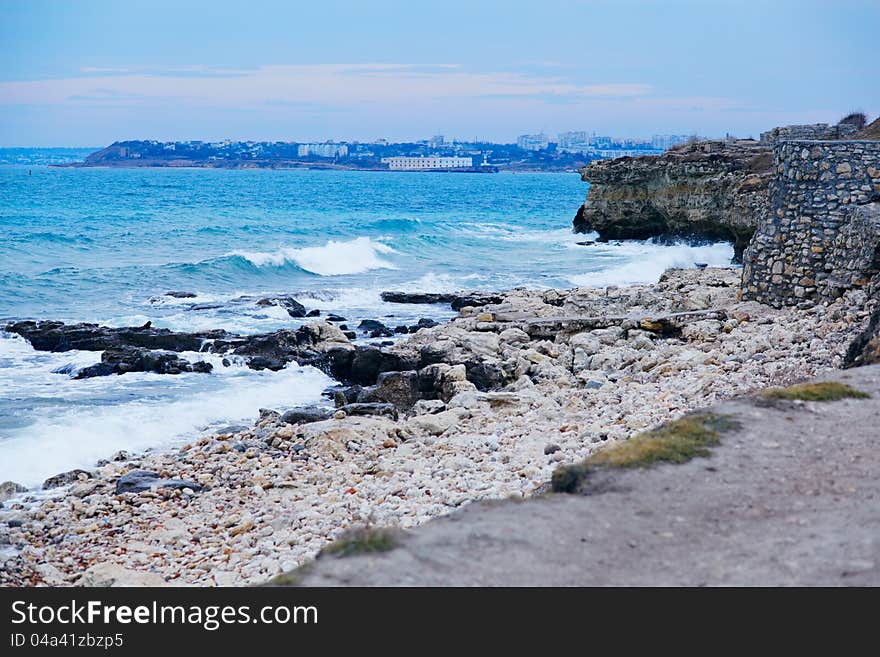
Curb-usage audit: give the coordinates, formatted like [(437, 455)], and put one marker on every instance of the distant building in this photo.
[(427, 163), (574, 142), (436, 141), (322, 150), (665, 142), (537, 142)]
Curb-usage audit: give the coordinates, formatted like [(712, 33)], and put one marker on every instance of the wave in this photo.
[(646, 261), (335, 258), (54, 423)]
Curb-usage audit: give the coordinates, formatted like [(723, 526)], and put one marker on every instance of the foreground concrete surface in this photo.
[(790, 498)]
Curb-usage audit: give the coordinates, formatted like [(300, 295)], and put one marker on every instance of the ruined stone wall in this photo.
[(814, 131), (822, 232)]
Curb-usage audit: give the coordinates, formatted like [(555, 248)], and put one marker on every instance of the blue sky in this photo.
[(90, 72)]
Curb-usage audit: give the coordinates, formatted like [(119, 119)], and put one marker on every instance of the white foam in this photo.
[(335, 258), (646, 261), (78, 422)]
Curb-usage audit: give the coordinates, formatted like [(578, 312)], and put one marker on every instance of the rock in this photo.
[(375, 329), (181, 295), (398, 388), (306, 414), (263, 363), (418, 297), (335, 318), (551, 448), (111, 574), (708, 190), (476, 299), (293, 307), (384, 410), (425, 406), (137, 481), (425, 322), (66, 478), (10, 489), (313, 313), (438, 423), (203, 367)]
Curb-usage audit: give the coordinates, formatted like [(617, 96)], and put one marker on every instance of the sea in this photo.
[(104, 245)]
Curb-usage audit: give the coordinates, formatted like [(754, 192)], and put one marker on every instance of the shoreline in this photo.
[(506, 407)]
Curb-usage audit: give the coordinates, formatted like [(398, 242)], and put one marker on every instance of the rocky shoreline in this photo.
[(483, 406)]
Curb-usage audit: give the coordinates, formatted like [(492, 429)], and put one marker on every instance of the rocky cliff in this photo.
[(711, 190)]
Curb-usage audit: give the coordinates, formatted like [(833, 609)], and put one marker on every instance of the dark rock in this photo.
[(398, 388), (205, 306), (335, 318), (260, 363), (313, 313), (138, 481), (202, 366), (425, 322), (375, 329), (385, 410), (401, 329), (121, 455), (476, 299), (486, 376), (306, 414), (293, 307), (181, 295), (120, 360), (593, 385), (418, 297), (226, 362), (57, 336), (268, 413), (552, 448), (368, 362), (351, 335), (65, 478), (346, 395)]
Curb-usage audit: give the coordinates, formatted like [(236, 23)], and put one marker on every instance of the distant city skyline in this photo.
[(93, 72)]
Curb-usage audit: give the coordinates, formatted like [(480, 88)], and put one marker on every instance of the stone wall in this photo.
[(814, 131), (821, 233)]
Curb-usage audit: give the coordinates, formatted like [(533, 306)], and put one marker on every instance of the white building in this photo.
[(328, 149), (665, 142), (537, 142), (427, 163), (575, 142)]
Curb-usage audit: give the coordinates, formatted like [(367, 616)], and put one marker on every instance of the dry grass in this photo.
[(678, 441), (821, 391), (360, 540)]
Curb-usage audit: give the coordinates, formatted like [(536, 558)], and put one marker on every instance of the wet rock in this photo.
[(476, 299), (138, 481), (293, 307), (375, 329), (122, 360), (260, 363), (203, 367), (336, 318), (551, 448), (418, 297), (181, 295), (10, 489), (306, 414), (66, 478), (313, 313), (58, 336)]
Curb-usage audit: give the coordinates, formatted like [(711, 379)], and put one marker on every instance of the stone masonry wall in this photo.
[(822, 233), (814, 131)]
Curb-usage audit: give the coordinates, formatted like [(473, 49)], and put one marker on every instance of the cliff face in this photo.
[(711, 190)]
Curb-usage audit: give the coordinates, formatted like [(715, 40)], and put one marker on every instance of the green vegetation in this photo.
[(821, 391), (678, 441), (360, 540)]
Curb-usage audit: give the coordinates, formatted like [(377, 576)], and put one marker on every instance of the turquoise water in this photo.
[(104, 245)]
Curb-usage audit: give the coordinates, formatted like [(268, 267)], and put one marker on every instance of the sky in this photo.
[(90, 72)]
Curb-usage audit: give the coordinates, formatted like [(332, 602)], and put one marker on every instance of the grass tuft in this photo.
[(359, 540), (678, 441), (821, 391)]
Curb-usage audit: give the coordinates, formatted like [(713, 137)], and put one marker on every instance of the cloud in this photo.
[(329, 84)]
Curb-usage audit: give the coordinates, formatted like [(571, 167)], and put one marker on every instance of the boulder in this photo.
[(137, 481), (111, 574), (66, 478), (10, 489), (293, 307), (306, 414)]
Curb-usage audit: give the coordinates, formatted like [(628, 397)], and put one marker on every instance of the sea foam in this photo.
[(335, 258)]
